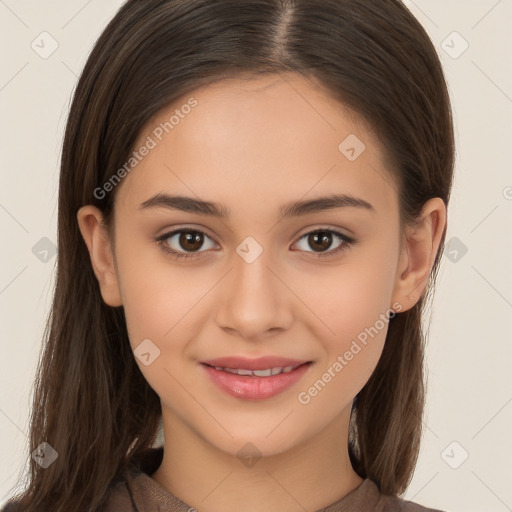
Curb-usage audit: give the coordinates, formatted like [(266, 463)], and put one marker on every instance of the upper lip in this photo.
[(260, 363)]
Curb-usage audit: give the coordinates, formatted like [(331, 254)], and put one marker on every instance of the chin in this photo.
[(256, 444)]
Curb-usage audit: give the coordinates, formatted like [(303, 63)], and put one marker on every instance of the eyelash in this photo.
[(347, 241)]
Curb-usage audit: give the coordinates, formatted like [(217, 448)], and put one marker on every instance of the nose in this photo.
[(254, 302)]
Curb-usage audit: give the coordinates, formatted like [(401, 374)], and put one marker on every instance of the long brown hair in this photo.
[(91, 402)]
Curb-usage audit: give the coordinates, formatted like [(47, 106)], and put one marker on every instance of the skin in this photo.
[(254, 145)]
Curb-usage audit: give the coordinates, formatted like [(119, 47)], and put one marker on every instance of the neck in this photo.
[(310, 476)]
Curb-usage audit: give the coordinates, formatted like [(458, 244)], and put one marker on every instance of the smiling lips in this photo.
[(255, 379)]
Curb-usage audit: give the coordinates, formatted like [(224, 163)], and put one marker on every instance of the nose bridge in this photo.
[(254, 300)]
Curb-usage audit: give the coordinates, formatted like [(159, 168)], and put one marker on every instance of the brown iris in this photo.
[(191, 240), (321, 238)]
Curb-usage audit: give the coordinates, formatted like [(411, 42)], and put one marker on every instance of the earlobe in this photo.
[(418, 253), (96, 238)]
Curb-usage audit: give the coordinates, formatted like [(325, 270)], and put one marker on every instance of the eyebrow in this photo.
[(295, 209)]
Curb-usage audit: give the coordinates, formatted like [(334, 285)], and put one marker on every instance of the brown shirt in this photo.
[(138, 492)]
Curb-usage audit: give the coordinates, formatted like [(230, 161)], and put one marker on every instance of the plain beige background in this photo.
[(465, 458)]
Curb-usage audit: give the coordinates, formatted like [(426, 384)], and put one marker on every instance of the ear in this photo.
[(417, 255), (95, 235)]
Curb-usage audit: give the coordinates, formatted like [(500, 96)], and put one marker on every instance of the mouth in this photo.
[(267, 372), (255, 379)]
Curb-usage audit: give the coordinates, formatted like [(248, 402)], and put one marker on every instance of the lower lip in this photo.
[(255, 388)]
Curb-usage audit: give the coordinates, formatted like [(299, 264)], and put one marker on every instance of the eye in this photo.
[(187, 239), (187, 242), (321, 241)]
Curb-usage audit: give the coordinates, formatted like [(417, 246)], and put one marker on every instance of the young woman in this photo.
[(252, 208)]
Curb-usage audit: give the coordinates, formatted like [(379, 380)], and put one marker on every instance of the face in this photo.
[(311, 286)]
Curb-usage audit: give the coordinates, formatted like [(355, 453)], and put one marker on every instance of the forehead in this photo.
[(266, 139)]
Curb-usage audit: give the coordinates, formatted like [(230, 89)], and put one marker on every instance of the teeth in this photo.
[(257, 373), (263, 373)]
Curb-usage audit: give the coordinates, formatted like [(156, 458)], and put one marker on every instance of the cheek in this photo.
[(353, 301), (159, 301), (351, 297), (359, 316), (161, 306)]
